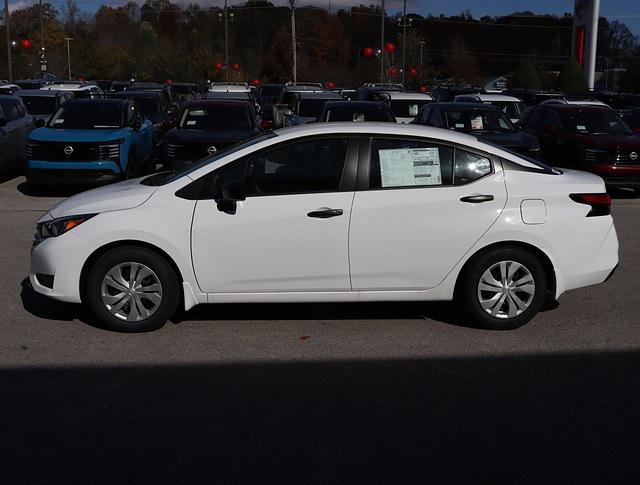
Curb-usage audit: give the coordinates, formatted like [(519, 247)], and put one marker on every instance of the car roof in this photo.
[(219, 103), (493, 97), (400, 95), (319, 95), (136, 94), (573, 107), (68, 87), (44, 93), (356, 104), (97, 101), (461, 105)]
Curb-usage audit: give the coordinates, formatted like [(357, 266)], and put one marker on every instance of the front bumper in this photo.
[(617, 175), (73, 173), (62, 258)]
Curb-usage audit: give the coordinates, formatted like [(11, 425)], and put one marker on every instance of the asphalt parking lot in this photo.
[(378, 393)]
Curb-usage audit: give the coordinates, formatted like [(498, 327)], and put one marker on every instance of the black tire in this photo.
[(170, 292), (469, 293)]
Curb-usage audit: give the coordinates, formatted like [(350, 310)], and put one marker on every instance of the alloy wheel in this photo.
[(506, 289)]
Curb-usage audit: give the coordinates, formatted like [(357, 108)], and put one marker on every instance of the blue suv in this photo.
[(91, 141)]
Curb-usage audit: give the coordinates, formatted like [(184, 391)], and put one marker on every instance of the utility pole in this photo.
[(382, 45), (68, 39), (7, 30), (226, 41), (43, 60), (294, 47), (422, 43), (404, 39)]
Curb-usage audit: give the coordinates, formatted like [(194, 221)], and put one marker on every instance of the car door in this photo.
[(423, 207), (11, 129), (25, 124), (291, 232)]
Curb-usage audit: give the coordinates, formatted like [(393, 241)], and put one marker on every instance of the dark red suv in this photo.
[(591, 138)]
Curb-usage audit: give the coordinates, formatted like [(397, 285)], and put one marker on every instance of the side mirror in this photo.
[(229, 196), (549, 129), (3, 122), (39, 123), (234, 192)]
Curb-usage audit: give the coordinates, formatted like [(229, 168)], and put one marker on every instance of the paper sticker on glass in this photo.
[(410, 166)]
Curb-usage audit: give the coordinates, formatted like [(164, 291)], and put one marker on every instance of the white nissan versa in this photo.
[(332, 212)]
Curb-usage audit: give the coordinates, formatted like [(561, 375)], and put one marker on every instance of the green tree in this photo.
[(572, 79), (526, 77)]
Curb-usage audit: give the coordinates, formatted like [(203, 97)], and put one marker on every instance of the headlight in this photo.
[(57, 227)]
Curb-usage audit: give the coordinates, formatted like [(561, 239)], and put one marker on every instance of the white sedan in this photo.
[(332, 212)]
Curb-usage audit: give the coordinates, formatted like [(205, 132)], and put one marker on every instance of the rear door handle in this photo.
[(475, 199), (325, 213)]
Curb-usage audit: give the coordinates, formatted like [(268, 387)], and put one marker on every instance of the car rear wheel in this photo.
[(502, 288), (132, 289)]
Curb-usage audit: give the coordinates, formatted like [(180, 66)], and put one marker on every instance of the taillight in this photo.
[(600, 203), (266, 124)]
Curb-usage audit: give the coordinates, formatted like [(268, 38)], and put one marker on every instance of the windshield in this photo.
[(478, 121), (149, 106), (355, 112), (85, 116), (270, 91), (310, 108), (407, 108), (512, 109), (39, 105), (168, 177), (600, 122), (216, 118)]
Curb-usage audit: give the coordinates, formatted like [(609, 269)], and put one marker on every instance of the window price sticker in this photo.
[(410, 166)]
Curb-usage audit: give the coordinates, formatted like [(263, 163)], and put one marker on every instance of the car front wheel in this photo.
[(131, 289), (502, 289)]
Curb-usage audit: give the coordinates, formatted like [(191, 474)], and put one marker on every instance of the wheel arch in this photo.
[(550, 272), (126, 243)]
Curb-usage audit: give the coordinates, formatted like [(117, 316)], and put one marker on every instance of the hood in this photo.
[(178, 135), (59, 135), (513, 140), (631, 142), (119, 196)]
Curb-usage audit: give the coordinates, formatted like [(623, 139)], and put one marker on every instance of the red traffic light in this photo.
[(367, 52), (330, 85), (255, 82), (235, 66), (26, 43), (393, 71), (423, 89), (218, 66), (413, 72), (389, 47)]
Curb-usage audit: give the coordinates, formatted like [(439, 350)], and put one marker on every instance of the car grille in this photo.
[(73, 151), (196, 151), (617, 156)]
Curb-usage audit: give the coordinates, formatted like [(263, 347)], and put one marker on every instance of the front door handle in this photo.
[(475, 199), (325, 213)]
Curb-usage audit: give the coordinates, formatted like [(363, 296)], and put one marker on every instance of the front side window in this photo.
[(407, 163), (308, 166), (470, 167), (40, 105)]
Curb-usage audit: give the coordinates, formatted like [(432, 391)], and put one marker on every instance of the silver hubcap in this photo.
[(506, 289), (131, 291)]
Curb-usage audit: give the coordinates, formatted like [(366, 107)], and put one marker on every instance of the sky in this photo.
[(625, 11)]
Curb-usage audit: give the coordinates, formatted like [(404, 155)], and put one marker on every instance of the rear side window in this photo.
[(407, 163), (10, 110), (470, 167)]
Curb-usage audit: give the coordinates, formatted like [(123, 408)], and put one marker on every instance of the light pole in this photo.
[(224, 17), (69, 39), (7, 28), (404, 38), (43, 60), (422, 44), (293, 40), (382, 45)]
